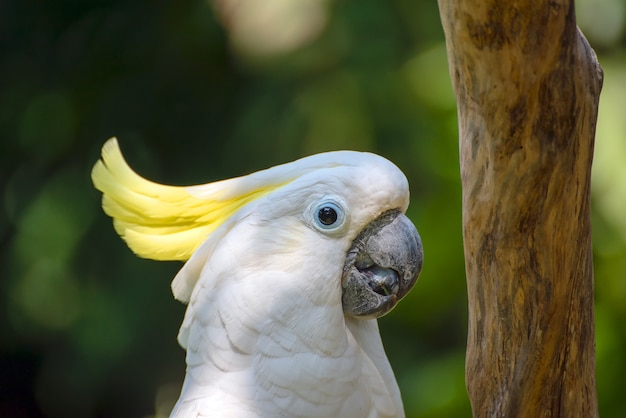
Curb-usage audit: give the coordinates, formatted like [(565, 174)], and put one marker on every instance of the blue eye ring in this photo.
[(328, 215)]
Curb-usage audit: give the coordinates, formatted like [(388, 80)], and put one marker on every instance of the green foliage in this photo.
[(87, 329)]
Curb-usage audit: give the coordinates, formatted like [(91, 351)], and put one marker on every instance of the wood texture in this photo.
[(527, 86)]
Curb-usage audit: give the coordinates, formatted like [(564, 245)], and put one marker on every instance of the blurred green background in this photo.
[(198, 91)]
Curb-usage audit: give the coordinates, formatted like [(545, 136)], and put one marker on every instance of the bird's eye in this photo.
[(329, 215)]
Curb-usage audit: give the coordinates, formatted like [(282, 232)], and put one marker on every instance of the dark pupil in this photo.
[(327, 215)]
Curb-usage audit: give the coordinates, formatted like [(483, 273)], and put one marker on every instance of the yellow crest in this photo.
[(164, 222)]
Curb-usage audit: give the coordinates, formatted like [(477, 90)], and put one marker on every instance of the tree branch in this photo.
[(527, 86)]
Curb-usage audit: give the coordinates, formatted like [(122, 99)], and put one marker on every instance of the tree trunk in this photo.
[(527, 86)]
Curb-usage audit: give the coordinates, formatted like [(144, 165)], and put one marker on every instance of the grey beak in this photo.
[(382, 265)]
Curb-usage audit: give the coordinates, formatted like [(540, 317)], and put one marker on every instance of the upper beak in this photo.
[(382, 265)]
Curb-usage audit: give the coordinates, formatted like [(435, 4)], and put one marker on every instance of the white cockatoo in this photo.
[(286, 271)]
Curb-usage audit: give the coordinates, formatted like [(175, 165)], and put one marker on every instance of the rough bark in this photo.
[(527, 86)]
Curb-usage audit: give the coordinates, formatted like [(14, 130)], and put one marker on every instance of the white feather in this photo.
[(265, 332)]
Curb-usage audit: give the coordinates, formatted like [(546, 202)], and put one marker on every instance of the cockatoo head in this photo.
[(337, 215)]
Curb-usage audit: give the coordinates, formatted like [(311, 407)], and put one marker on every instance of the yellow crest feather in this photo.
[(164, 222)]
